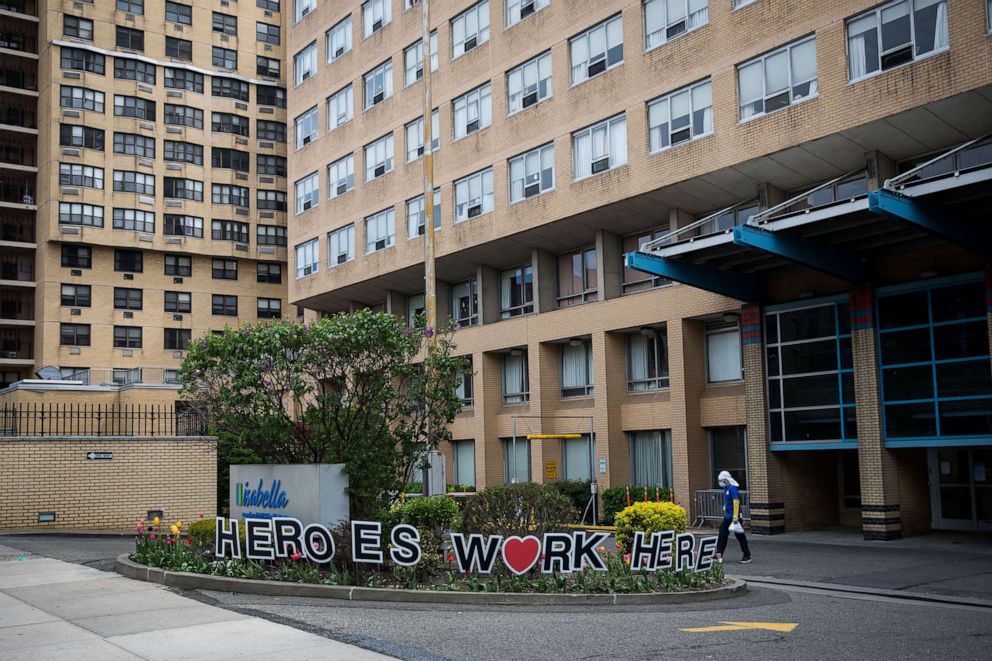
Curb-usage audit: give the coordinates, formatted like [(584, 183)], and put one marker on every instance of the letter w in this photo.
[(478, 554)]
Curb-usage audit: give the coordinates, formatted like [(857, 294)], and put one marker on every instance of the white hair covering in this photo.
[(725, 476)]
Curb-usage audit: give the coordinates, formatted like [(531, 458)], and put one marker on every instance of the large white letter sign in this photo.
[(478, 553)]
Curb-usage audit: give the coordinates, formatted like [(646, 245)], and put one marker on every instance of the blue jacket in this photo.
[(731, 502)]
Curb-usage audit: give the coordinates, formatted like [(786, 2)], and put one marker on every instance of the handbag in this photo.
[(736, 527)]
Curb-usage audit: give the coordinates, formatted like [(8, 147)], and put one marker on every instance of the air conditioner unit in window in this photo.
[(377, 98), (305, 76), (307, 270), (601, 165), (339, 51), (896, 57), (342, 258), (474, 210), (420, 73), (177, 281), (596, 67), (342, 188), (225, 38), (421, 230), (675, 29), (307, 204), (530, 99), (472, 126), (377, 25), (380, 244), (420, 150), (526, 10), (681, 136), (304, 11), (177, 317), (379, 171), (307, 139), (532, 190), (470, 43), (128, 314)]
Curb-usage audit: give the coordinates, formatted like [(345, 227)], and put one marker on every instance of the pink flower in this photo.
[(295, 556), (168, 540), (152, 537), (316, 546), (201, 515), (626, 556), (619, 547), (138, 527)]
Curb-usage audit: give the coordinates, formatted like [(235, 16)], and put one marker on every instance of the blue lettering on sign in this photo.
[(272, 498)]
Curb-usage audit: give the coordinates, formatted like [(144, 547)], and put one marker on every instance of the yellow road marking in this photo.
[(782, 627)]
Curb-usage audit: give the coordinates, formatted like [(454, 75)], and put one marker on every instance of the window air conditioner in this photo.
[(307, 204), (377, 25), (596, 67), (307, 270), (420, 150), (526, 10), (304, 11), (681, 135), (379, 170), (342, 258), (339, 51), (530, 99), (342, 188), (472, 126), (380, 244), (675, 29), (377, 98), (470, 43), (601, 165), (475, 210)]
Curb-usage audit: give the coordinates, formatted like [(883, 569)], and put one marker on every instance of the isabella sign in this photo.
[(285, 537)]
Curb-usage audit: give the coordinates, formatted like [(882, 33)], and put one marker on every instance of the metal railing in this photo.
[(33, 419), (971, 154), (699, 228), (708, 505), (784, 208)]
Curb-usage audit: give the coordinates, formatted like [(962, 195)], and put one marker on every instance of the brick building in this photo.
[(672, 218)]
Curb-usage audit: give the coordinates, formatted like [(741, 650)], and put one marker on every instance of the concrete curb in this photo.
[(127, 567)]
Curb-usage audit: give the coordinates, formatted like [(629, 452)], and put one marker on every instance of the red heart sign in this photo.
[(520, 553)]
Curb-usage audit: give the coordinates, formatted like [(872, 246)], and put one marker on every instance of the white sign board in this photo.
[(309, 492)]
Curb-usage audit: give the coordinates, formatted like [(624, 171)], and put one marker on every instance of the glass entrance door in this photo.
[(961, 488)]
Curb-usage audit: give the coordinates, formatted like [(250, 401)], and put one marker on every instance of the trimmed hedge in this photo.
[(615, 499), (577, 491), (648, 517)]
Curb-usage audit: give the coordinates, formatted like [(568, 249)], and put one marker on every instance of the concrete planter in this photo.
[(190, 581)]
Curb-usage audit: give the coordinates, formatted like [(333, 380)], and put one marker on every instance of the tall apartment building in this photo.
[(697, 227), (143, 182)]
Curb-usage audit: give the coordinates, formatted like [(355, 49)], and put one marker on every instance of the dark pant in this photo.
[(721, 542)]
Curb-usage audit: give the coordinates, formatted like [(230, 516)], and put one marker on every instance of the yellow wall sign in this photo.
[(550, 470)]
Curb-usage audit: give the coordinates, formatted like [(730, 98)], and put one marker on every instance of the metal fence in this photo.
[(709, 506), (32, 419)]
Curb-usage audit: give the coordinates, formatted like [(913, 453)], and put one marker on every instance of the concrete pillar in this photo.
[(545, 392), (487, 287), (442, 290), (880, 167), (766, 489), (488, 401), (880, 509), (610, 367), (609, 273), (545, 280), (679, 218), (396, 303), (690, 447), (769, 196)]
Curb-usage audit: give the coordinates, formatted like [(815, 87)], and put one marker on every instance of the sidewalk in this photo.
[(51, 609)]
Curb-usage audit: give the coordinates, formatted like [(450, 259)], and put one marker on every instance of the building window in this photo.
[(737, 215), (74, 213), (416, 308), (269, 95), (596, 50), (73, 174), (126, 298), (130, 39), (224, 269), (82, 60), (182, 152), (132, 106), (600, 147), (74, 335), (127, 337), (224, 305), (647, 360), (576, 369), (78, 27), (184, 80), (80, 136), (474, 195), (894, 34), (415, 136), (182, 189), (131, 6), (134, 145), (666, 19), (127, 69), (181, 265), (268, 67), (272, 200), (517, 10), (269, 273), (516, 383), (305, 63), (271, 165), (473, 111), (413, 60), (465, 303), (269, 130), (266, 33), (270, 235), (269, 5), (229, 88), (225, 58), (380, 231), (529, 84), (934, 361), (723, 352), (306, 128), (464, 462), (339, 107), (229, 159), (778, 79), (81, 98), (810, 374), (307, 192), (229, 230), (77, 257), (180, 49), (130, 261), (178, 13), (577, 278), (375, 16), (177, 339), (307, 258), (135, 220), (176, 225), (269, 308), (123, 376), (339, 39), (576, 459), (183, 116), (226, 194), (516, 460), (728, 448), (532, 174), (341, 245), (76, 296), (416, 218), (379, 84), (379, 157), (681, 116), (634, 280), (516, 292), (469, 29), (651, 458), (463, 384), (178, 301), (341, 176), (304, 7)]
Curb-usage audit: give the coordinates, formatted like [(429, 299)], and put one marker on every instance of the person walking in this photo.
[(731, 517)]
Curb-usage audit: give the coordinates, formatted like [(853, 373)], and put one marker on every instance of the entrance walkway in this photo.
[(50, 609)]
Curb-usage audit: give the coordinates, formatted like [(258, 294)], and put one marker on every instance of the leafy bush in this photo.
[(414, 487), (649, 517), (202, 533), (517, 509), (461, 488), (577, 491), (615, 499), (425, 513)]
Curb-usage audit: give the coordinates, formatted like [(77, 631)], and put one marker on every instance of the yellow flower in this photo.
[(155, 521), (179, 524), (174, 529)]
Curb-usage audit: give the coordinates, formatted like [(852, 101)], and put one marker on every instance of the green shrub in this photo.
[(414, 487), (615, 499), (517, 509), (202, 533), (462, 488), (428, 513), (648, 517), (577, 491)]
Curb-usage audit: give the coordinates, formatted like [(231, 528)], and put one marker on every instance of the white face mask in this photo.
[(724, 484)]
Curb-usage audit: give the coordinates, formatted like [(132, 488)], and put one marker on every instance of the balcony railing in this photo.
[(16, 307), (16, 267), (14, 228), (17, 190), (18, 153), (19, 41), (969, 155), (19, 115), (32, 419), (16, 344), (19, 77)]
